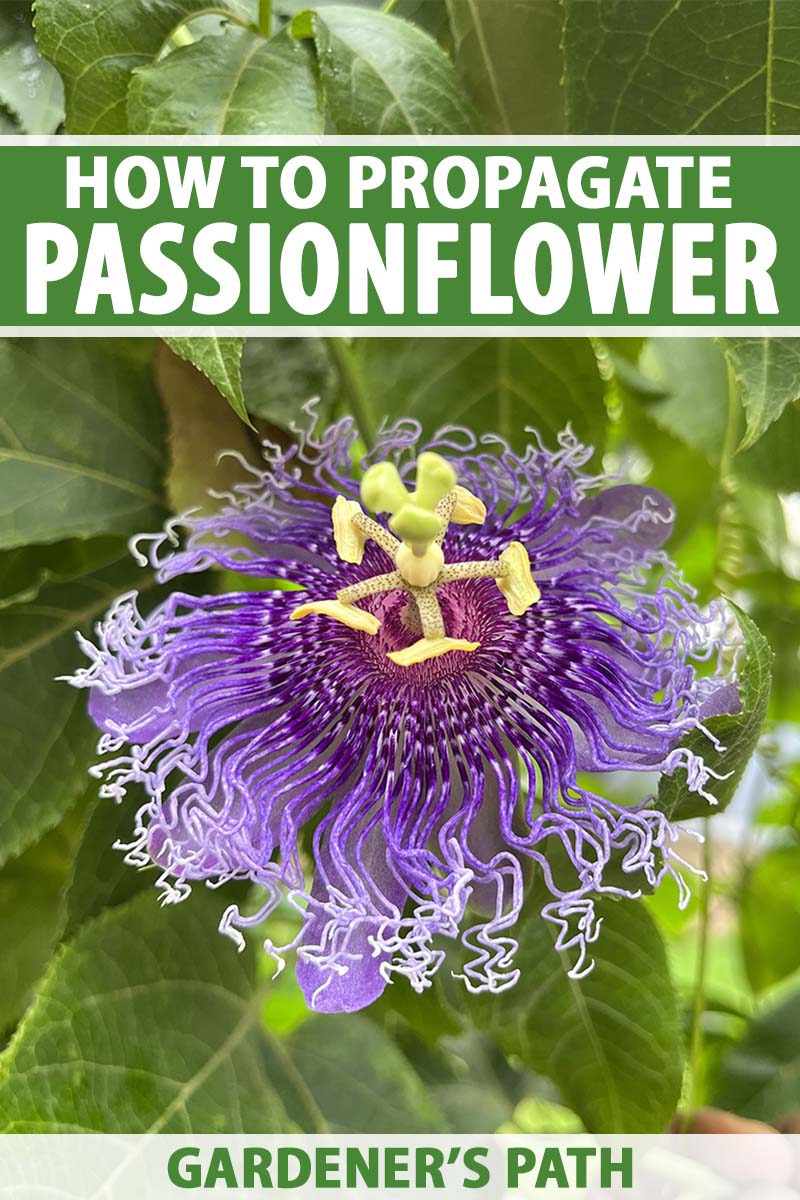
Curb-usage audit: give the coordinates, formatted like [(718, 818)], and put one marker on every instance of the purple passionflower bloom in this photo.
[(426, 792)]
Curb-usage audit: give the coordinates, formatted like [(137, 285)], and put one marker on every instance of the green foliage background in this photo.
[(118, 1015)]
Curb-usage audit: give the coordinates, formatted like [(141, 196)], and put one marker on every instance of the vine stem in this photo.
[(353, 389), (389, 5), (181, 35), (694, 1090), (726, 568), (265, 17), (729, 542)]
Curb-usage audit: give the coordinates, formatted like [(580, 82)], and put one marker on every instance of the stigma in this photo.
[(418, 526)]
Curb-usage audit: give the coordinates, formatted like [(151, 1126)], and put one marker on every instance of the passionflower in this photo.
[(411, 730)]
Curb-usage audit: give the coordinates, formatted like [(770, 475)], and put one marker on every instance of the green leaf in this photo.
[(682, 385), (738, 733), (775, 608), (8, 122), (235, 83), (281, 375), (100, 878), (611, 1042), (25, 570), (773, 462), (497, 385), (760, 1077), (473, 1083), (431, 17), (220, 360), (382, 75), (669, 68), (508, 53), (31, 916), (147, 1022), (534, 1115), (29, 86), (80, 441), (429, 1014), (360, 1081), (95, 45), (770, 918), (47, 742), (767, 371), (202, 430)]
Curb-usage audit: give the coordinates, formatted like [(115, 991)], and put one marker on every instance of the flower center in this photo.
[(418, 525)]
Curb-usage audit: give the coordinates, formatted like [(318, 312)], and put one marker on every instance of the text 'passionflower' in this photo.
[(422, 714)]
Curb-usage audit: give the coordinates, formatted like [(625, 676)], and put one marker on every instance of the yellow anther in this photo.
[(467, 509), (349, 539), (346, 614), (382, 489), (517, 584), (427, 648)]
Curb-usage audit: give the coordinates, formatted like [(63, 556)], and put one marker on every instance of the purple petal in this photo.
[(642, 517), (351, 977), (140, 712), (722, 700)]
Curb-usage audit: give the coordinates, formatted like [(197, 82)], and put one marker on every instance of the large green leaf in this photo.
[(672, 68), (207, 440), (611, 1041), (770, 917), (235, 83), (776, 603), (382, 75), (281, 375), (26, 569), (682, 385), (736, 733), (496, 385), (760, 1077), (773, 461), (31, 916), (97, 44), (429, 16), (8, 122), (81, 437), (508, 53), (767, 371), (429, 1014), (147, 1023), (468, 1075), (46, 740), (220, 360), (360, 1081), (99, 877), (29, 87)]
